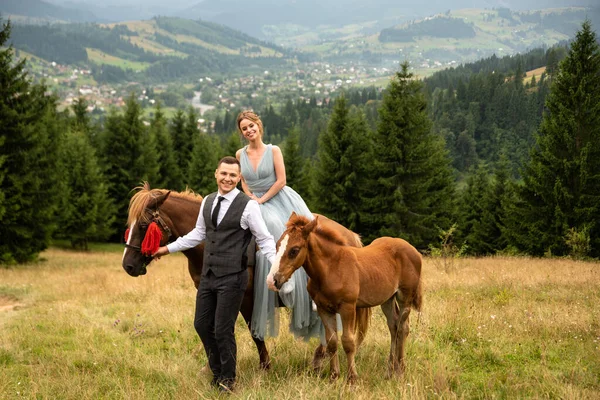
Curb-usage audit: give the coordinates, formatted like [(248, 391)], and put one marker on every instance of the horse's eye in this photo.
[(143, 227), (293, 252)]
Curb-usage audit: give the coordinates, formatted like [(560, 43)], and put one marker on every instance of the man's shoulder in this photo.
[(210, 196), (242, 197)]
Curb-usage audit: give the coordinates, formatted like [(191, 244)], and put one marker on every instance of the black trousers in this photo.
[(218, 304)]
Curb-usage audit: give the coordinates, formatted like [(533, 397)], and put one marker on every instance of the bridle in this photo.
[(161, 223)]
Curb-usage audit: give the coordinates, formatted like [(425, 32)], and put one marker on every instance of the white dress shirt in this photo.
[(251, 219)]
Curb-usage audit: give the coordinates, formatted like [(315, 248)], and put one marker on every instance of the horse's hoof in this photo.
[(334, 376), (265, 365), (389, 374), (352, 380)]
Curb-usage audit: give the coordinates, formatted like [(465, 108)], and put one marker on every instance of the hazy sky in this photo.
[(447, 4)]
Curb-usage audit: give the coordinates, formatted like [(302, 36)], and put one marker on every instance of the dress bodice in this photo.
[(261, 179)]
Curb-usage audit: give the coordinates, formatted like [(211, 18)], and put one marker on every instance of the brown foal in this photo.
[(343, 279)]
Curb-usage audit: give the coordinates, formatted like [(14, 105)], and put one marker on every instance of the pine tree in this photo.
[(304, 184), (472, 209), (413, 193), (181, 143), (203, 163), (89, 211), (339, 176), (29, 166), (149, 158), (488, 233), (561, 182), (293, 158), (121, 156), (232, 145), (170, 176), (83, 123)]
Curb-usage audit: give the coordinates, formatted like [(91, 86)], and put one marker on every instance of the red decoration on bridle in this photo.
[(126, 235), (152, 239)]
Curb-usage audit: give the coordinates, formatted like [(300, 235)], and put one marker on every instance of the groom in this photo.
[(227, 221)]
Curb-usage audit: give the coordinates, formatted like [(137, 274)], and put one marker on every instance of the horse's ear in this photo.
[(161, 199), (311, 226)]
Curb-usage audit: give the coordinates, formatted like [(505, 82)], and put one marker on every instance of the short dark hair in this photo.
[(229, 160)]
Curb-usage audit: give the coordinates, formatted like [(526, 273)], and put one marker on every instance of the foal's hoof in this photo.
[(352, 380), (334, 376)]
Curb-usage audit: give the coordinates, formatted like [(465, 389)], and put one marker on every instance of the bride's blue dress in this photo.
[(304, 322)]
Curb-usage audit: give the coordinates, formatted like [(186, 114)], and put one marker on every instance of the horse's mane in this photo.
[(139, 201), (298, 222)]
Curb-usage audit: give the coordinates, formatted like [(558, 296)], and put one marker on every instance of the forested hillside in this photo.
[(43, 10), (162, 49)]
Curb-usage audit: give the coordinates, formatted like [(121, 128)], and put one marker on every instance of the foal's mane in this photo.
[(144, 195), (298, 222)]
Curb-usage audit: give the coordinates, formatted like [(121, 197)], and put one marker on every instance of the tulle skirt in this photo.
[(304, 322)]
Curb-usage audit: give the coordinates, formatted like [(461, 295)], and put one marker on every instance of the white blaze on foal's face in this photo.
[(131, 228), (275, 266)]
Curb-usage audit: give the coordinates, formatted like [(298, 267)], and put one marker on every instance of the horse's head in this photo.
[(292, 248), (147, 229)]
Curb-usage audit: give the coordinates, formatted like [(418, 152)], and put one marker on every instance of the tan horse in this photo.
[(176, 214), (345, 279)]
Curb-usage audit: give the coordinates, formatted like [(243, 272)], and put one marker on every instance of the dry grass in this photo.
[(76, 326)]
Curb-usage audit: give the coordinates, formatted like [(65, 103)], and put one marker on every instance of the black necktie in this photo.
[(215, 213)]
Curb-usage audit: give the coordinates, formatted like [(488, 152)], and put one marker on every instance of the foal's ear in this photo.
[(311, 226)]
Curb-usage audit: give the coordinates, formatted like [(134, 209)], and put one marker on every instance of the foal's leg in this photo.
[(403, 330), (330, 324), (348, 314), (319, 358), (392, 315)]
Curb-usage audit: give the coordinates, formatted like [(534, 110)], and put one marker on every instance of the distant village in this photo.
[(316, 79)]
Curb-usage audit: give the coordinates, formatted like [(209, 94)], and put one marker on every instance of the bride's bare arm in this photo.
[(244, 184)]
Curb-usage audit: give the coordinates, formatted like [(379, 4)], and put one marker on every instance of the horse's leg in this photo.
[(363, 318), (390, 309), (403, 329), (246, 310), (330, 324), (319, 358), (348, 314)]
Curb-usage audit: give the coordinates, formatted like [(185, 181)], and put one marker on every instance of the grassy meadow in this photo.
[(76, 326)]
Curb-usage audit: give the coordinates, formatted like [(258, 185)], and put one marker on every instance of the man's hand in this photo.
[(162, 251)]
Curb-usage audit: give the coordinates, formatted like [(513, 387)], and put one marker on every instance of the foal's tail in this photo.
[(363, 318), (417, 301)]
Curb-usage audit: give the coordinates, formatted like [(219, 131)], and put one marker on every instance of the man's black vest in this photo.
[(225, 245)]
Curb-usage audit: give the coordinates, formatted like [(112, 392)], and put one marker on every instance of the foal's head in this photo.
[(292, 248)]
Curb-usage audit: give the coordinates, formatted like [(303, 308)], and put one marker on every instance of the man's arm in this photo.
[(192, 239), (255, 222)]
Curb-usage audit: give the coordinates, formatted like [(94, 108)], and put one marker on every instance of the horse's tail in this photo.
[(363, 318), (417, 302)]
